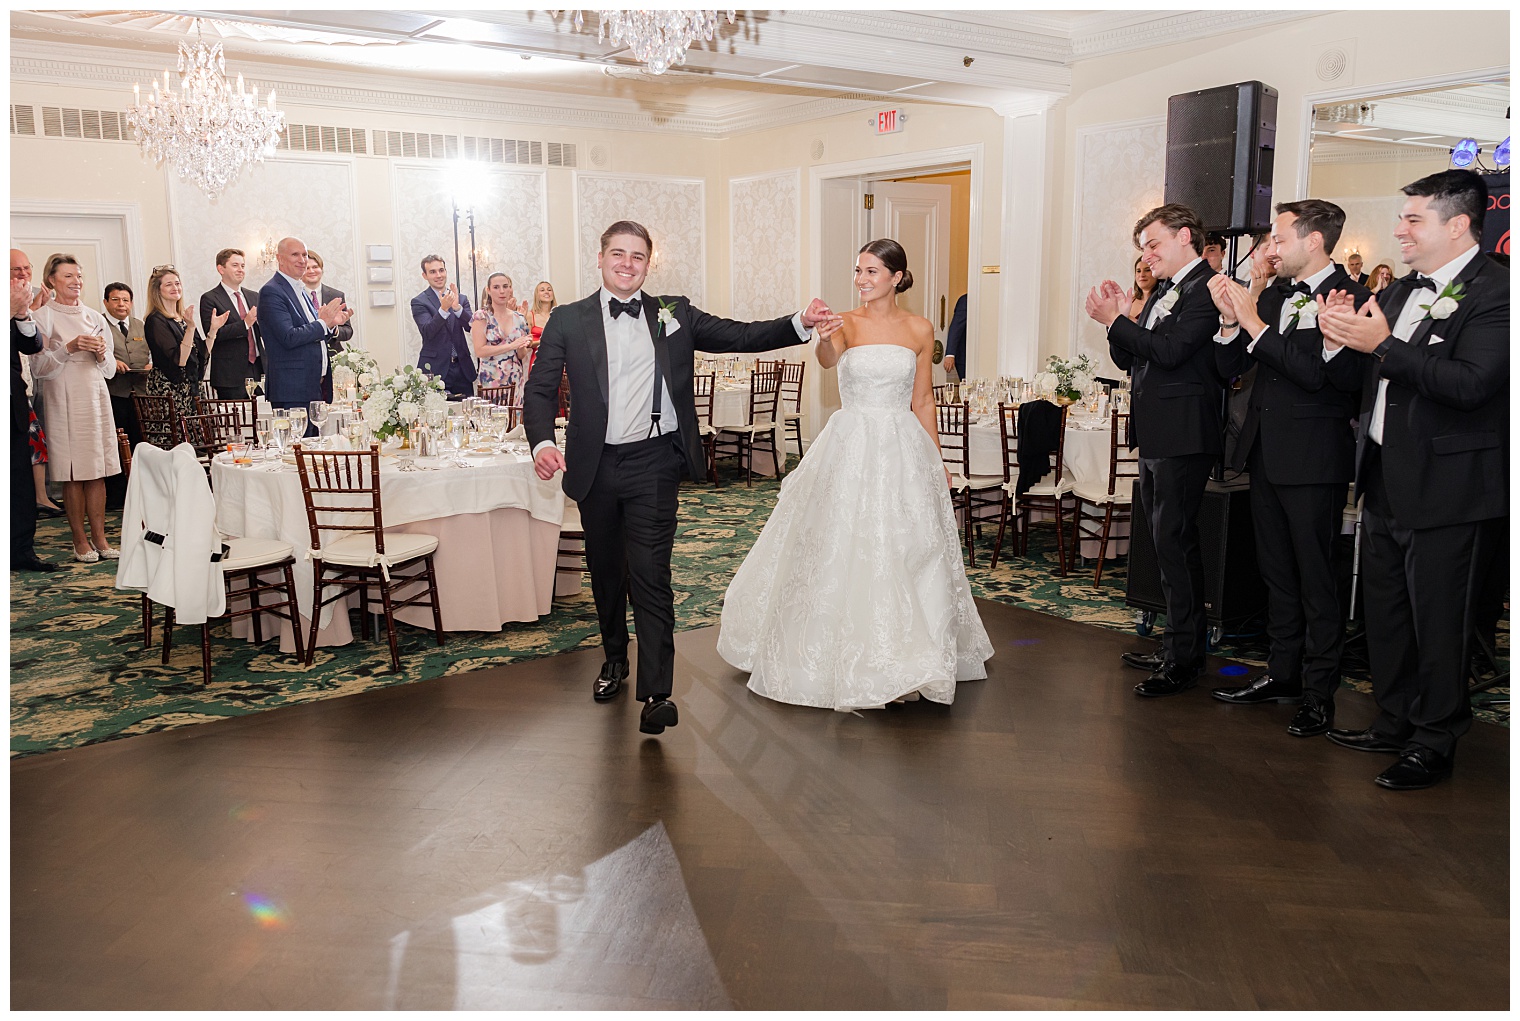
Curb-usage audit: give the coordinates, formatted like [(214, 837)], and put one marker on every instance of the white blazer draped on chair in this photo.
[(170, 547)]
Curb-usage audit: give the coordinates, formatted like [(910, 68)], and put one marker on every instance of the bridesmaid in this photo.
[(180, 355), (499, 334), (76, 359)]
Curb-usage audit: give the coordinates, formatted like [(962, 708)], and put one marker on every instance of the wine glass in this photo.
[(264, 429), (500, 424), (282, 428), (458, 429), (297, 424), (317, 414)]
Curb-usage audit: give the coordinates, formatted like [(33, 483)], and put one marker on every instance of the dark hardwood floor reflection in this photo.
[(496, 839)]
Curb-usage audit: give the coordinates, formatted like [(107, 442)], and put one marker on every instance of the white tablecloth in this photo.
[(497, 526), (731, 408), (1085, 457)]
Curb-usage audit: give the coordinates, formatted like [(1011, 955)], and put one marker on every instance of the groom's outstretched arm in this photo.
[(716, 334)]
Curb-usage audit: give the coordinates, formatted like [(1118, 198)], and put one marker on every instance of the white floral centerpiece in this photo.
[(393, 404), (1072, 376), (354, 367)]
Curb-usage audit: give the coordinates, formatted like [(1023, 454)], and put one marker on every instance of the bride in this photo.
[(854, 595)]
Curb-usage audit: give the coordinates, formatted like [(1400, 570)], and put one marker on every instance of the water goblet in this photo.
[(458, 430), (297, 424), (282, 428), (317, 413)]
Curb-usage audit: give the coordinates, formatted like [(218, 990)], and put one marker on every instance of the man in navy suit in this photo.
[(443, 318), (295, 331)]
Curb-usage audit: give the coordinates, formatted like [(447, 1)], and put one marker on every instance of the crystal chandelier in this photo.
[(208, 129), (658, 38)]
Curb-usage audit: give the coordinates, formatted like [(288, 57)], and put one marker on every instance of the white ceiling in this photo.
[(770, 67), (1412, 124)]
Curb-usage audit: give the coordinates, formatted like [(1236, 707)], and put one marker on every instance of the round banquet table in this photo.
[(731, 408), (496, 522), (1085, 455)]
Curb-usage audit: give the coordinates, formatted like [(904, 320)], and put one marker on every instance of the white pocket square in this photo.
[(1434, 340)]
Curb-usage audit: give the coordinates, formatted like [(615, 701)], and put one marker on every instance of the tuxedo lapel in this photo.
[(1421, 335), (596, 341)]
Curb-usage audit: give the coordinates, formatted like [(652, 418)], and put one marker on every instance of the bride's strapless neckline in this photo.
[(862, 347)]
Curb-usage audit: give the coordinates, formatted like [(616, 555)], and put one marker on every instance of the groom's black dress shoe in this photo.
[(1149, 661), (1364, 741), (610, 681), (1314, 716), (1263, 689), (1161, 684), (1416, 769), (32, 564), (658, 713)]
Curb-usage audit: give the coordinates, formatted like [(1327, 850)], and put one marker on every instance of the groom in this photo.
[(632, 430)]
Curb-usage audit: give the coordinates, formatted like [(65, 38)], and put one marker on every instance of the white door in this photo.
[(917, 216), (843, 215), (99, 241)]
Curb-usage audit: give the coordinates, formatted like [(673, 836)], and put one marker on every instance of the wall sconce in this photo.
[(267, 254)]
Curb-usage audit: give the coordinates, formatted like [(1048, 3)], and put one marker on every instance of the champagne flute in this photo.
[(251, 385), (264, 428), (458, 428)]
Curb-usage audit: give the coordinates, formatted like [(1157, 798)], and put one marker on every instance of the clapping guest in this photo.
[(499, 335), (1354, 269), (76, 359), (133, 359), (296, 330), (1145, 284), (240, 355), (1380, 277), (322, 294), (179, 352), (443, 316)]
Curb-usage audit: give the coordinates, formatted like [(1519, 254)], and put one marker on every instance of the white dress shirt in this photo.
[(1286, 315), (1404, 327), (1155, 316), (302, 300)]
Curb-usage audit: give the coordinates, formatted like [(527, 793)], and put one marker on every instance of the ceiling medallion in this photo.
[(659, 39), (208, 129)]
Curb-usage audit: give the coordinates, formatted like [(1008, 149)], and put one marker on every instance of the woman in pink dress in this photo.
[(76, 359)]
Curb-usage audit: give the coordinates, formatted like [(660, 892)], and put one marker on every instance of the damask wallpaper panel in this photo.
[(765, 216), (672, 208), (1120, 171), (511, 235), (311, 199)]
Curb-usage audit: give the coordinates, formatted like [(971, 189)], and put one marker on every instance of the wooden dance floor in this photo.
[(496, 839)]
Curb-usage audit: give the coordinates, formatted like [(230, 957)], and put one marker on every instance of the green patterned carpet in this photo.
[(79, 673)]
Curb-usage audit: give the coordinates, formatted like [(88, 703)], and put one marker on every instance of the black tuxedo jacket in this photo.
[(21, 344), (1445, 457), (229, 355), (1177, 393), (1301, 406), (575, 342)]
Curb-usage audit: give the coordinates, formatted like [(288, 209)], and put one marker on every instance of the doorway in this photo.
[(102, 236)]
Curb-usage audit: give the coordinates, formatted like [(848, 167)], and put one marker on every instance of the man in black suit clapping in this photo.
[(1433, 466), (1299, 448), (632, 431), (238, 353), (1175, 420)]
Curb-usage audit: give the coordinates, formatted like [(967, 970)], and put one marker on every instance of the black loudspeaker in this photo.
[(1233, 592), (1219, 151)]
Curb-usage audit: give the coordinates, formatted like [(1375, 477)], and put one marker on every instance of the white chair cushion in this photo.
[(1094, 492), (572, 519), (706, 430), (358, 550), (245, 553), (792, 416), (1049, 488), (959, 481)]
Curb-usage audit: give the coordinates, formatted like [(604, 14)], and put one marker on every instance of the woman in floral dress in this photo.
[(500, 336)]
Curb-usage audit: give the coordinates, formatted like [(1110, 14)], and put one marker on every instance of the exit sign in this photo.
[(888, 121)]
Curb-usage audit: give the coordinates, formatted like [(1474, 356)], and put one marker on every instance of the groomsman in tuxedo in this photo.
[(1432, 466), (1354, 270), (1175, 419), (296, 330), (442, 315), (1298, 445), (238, 354), (632, 431), (322, 294)]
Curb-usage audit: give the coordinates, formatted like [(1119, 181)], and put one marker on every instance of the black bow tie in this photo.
[(1417, 282), (631, 308), (1287, 289)]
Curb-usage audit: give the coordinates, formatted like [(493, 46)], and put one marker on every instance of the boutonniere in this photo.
[(667, 319), (1168, 300), (1446, 302), (1305, 312)]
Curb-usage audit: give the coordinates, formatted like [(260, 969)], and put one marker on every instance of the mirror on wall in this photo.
[(1362, 151)]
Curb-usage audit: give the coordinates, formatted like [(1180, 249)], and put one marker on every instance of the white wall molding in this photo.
[(1026, 142), (128, 215)]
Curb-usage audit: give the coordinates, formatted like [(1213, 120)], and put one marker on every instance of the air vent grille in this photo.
[(503, 150), (69, 122), (413, 145), (561, 154), (23, 119), (324, 138)]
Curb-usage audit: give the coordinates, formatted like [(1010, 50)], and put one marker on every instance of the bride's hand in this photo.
[(949, 482), (829, 325)]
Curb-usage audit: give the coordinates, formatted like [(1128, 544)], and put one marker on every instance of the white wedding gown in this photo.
[(854, 594)]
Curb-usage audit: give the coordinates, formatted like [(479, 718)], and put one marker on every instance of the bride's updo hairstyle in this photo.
[(894, 258)]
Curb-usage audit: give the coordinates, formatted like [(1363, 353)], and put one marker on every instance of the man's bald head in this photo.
[(291, 257), (21, 267)]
